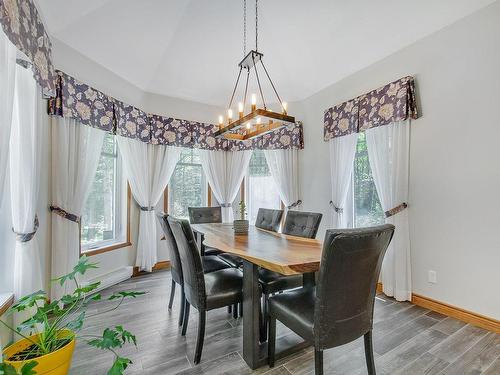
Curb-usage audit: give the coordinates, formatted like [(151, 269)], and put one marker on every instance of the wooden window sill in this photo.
[(105, 249), (6, 301)]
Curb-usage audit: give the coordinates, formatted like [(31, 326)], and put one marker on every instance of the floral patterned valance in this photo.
[(395, 101), (93, 108), (22, 25)]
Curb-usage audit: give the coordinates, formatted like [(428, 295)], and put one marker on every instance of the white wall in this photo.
[(455, 175)]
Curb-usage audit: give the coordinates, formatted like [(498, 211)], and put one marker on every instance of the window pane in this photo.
[(261, 190), (367, 208), (101, 216), (187, 187)]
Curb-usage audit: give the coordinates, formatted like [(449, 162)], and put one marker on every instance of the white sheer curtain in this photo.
[(342, 153), (76, 149), (389, 154), (284, 167), (148, 169), (7, 84), (225, 171), (25, 153)]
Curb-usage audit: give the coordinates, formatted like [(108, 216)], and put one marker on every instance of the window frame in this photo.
[(110, 245)]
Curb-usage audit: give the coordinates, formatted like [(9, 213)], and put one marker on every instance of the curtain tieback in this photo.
[(295, 204), (147, 208), (26, 237), (65, 214), (338, 210), (225, 205), (396, 210)]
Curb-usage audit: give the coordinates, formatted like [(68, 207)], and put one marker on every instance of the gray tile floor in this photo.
[(408, 340)]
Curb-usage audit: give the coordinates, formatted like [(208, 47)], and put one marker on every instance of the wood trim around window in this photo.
[(6, 304), (209, 195), (116, 246)]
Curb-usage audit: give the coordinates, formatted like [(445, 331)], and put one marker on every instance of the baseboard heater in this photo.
[(111, 278)]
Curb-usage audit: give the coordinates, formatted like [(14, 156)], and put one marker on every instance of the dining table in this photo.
[(285, 254)]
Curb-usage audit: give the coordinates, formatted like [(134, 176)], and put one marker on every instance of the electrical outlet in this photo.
[(432, 277)]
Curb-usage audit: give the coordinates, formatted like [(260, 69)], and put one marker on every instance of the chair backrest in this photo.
[(269, 219), (348, 276), (201, 215), (192, 267), (302, 224), (175, 259)]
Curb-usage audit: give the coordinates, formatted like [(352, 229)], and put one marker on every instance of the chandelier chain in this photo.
[(244, 27), (256, 24)]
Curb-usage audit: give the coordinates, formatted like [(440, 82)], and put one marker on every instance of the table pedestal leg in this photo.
[(251, 308), (309, 279)]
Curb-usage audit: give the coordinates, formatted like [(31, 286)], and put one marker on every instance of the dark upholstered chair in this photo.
[(210, 263), (300, 224), (340, 308), (269, 219), (204, 215), (204, 291), (201, 215)]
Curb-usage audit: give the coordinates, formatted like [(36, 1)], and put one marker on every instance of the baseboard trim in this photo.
[(456, 312), (452, 311), (163, 265)]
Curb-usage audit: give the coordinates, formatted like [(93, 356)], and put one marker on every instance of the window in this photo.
[(260, 189), (188, 185), (367, 208), (105, 214)]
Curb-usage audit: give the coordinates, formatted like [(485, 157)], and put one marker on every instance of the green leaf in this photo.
[(110, 339), (125, 295), (76, 324), (27, 368), (119, 366), (29, 301), (126, 336), (88, 288), (82, 267)]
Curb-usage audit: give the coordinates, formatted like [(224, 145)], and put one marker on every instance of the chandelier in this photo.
[(258, 121)]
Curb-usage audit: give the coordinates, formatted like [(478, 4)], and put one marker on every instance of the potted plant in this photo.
[(48, 337), (241, 225)]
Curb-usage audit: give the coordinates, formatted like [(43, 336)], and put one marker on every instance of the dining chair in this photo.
[(203, 291), (269, 219), (210, 263), (205, 215), (340, 308), (299, 224)]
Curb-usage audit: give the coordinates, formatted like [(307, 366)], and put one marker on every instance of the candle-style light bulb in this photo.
[(254, 102), (230, 114), (249, 126), (221, 120), (285, 107), (240, 109), (258, 120)]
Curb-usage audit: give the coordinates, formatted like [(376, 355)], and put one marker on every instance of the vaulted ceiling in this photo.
[(190, 48)]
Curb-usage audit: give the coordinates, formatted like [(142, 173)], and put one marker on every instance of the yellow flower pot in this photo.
[(55, 363)]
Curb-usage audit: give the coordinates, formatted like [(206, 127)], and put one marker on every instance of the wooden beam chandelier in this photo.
[(258, 121)]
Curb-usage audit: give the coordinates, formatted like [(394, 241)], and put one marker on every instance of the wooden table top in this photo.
[(288, 255)]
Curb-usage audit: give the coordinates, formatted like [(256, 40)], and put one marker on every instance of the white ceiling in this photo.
[(190, 48)]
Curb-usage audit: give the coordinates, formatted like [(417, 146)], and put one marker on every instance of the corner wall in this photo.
[(454, 171)]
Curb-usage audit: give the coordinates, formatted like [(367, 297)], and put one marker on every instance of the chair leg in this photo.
[(183, 304), (201, 336), (318, 362), (271, 343), (241, 309), (370, 361), (186, 318), (172, 294), (235, 311), (229, 309), (265, 317)]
